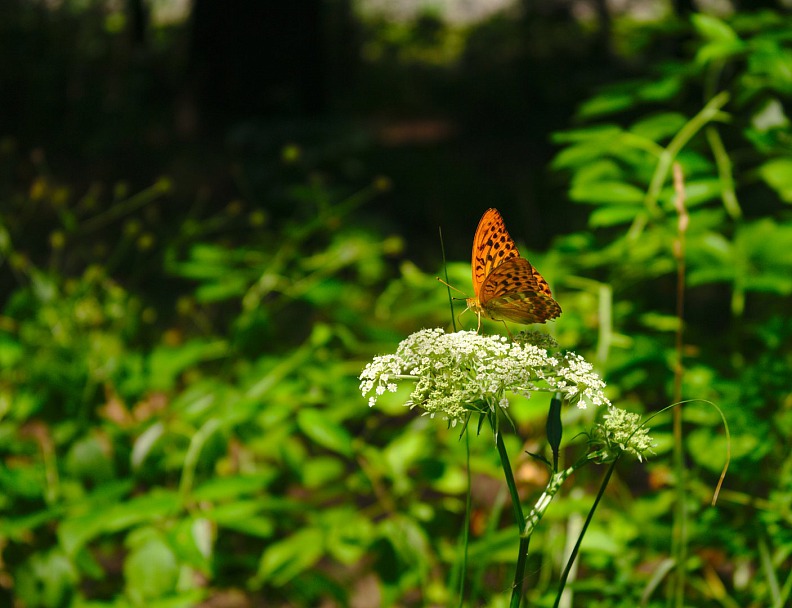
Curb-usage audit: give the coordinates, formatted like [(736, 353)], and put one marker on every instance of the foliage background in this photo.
[(209, 224)]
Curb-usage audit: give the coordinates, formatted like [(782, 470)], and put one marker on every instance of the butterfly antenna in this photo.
[(445, 271), (452, 287)]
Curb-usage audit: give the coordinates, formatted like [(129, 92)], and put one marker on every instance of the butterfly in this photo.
[(507, 286)]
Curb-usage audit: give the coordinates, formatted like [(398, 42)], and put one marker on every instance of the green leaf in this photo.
[(607, 103), (710, 449), (595, 132), (18, 528), (167, 362), (231, 286), (318, 426), (612, 216), (717, 51), (319, 470), (10, 351), (702, 190), (223, 488), (778, 175), (151, 570), (604, 170), (243, 516), (697, 192), (663, 89), (659, 126), (87, 460), (145, 442), (408, 539), (660, 322), (349, 533), (46, 579), (403, 452), (284, 560), (82, 527), (607, 193), (713, 29)]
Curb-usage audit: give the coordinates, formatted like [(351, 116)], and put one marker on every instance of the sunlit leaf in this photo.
[(609, 103), (612, 215), (659, 126), (615, 193), (713, 29), (778, 175)]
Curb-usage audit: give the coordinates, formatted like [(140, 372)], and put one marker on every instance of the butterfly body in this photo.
[(507, 286)]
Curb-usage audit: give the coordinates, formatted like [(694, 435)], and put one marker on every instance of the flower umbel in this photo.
[(621, 431), (461, 372)]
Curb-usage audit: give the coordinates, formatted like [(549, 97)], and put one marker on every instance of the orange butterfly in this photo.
[(506, 285)]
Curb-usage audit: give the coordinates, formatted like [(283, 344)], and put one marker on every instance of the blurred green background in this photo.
[(213, 214)]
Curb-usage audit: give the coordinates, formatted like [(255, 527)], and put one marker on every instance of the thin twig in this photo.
[(680, 515)]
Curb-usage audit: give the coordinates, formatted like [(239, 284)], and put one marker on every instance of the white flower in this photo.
[(461, 372), (621, 430)]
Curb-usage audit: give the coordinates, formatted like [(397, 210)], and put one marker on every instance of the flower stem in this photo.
[(519, 570), (510, 483), (590, 516)]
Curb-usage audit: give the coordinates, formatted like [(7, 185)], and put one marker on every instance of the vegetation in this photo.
[(181, 418)]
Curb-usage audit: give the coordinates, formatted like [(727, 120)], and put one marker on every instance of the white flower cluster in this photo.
[(464, 371), (620, 430)]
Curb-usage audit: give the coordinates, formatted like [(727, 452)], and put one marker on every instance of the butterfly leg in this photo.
[(507, 330)]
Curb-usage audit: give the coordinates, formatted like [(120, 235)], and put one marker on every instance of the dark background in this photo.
[(210, 101)]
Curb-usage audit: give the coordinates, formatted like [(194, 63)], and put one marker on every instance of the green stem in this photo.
[(680, 512), (122, 208), (724, 165), (530, 522), (197, 442), (519, 571), (510, 483), (555, 483), (709, 112), (466, 534), (590, 516)]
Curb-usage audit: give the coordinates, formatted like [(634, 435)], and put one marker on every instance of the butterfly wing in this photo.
[(516, 291), (492, 246)]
